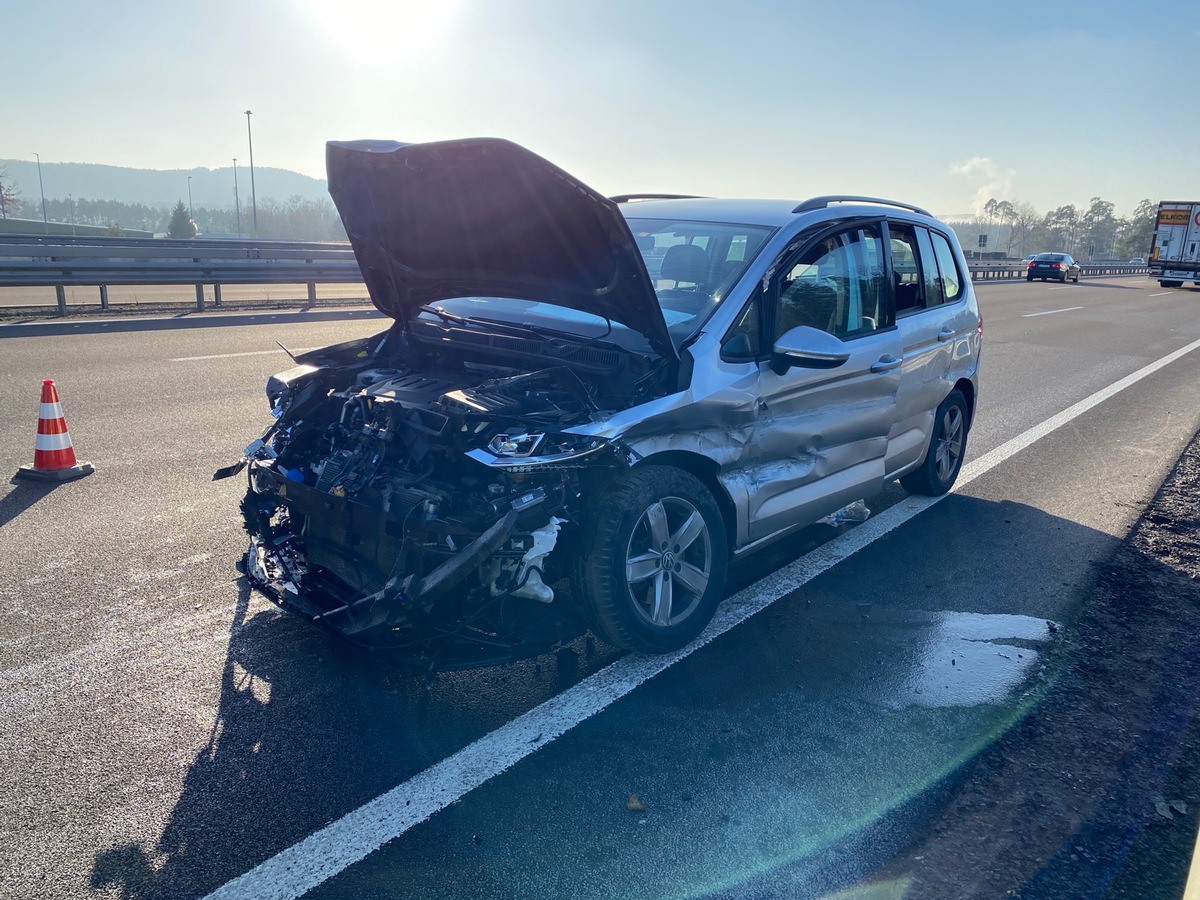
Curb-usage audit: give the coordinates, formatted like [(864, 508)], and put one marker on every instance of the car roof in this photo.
[(770, 213)]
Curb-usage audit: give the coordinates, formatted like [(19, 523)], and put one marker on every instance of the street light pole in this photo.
[(45, 221), (71, 203), (191, 215), (253, 195), (3, 205), (236, 204)]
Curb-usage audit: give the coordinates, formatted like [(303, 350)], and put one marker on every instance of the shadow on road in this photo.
[(308, 730), (23, 495)]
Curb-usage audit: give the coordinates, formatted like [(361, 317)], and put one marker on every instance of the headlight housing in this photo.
[(529, 451)]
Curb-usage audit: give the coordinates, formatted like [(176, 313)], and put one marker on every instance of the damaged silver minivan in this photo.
[(586, 406)]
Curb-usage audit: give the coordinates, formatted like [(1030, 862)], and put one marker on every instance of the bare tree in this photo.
[(1006, 213), (10, 203)]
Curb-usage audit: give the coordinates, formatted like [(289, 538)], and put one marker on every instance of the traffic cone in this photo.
[(53, 455)]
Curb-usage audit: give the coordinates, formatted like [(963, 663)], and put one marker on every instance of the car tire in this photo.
[(1076, 279), (1029, 278), (1064, 278), (947, 446), (649, 515)]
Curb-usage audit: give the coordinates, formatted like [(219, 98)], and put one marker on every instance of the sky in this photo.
[(937, 104)]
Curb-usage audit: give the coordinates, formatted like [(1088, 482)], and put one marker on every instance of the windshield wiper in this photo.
[(543, 331), (527, 327), (445, 316)]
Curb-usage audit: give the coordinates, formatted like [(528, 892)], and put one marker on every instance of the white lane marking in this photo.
[(1050, 312), (1062, 287), (224, 355), (232, 355), (1162, 294), (329, 851)]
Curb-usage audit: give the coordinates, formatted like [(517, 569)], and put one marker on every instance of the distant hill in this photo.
[(158, 187)]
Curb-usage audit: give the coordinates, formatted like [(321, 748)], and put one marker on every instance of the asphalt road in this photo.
[(165, 732)]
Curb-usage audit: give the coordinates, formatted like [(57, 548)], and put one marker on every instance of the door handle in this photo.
[(886, 364), (946, 334)]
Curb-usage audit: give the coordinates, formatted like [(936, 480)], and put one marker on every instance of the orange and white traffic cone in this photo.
[(53, 454)]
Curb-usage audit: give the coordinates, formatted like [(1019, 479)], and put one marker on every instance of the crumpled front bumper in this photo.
[(281, 569)]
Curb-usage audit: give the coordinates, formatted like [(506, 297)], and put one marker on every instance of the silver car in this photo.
[(584, 408)]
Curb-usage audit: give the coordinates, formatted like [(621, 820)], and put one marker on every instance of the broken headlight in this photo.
[(526, 450), (278, 384)]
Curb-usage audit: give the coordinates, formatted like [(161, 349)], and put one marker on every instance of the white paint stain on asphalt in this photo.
[(329, 851), (1162, 293)]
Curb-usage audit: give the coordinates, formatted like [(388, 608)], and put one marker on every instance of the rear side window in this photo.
[(929, 269), (952, 282), (907, 284), (925, 273)]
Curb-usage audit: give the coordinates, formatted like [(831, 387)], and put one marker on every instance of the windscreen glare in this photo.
[(693, 265)]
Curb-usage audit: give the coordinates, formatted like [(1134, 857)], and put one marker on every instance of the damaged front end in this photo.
[(421, 512)]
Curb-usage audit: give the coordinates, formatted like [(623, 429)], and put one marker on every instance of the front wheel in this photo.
[(654, 558), (947, 444)]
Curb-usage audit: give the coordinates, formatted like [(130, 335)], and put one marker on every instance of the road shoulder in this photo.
[(1097, 792)]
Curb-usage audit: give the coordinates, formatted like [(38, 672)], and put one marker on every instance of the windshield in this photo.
[(693, 265)]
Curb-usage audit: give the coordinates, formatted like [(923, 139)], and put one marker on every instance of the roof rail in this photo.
[(625, 198), (823, 202)]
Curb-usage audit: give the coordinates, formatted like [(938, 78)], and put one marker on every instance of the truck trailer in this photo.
[(1173, 254)]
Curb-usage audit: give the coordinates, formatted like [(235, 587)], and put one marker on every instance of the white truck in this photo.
[(1173, 254)]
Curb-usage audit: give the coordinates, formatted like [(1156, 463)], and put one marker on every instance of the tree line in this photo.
[(1016, 228), (1013, 228), (295, 219)]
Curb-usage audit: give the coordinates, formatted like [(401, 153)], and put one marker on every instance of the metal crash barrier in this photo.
[(61, 262), (1004, 270)]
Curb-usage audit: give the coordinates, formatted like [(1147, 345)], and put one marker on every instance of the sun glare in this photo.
[(383, 30)]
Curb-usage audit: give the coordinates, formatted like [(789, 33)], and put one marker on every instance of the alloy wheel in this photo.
[(668, 562), (950, 442)]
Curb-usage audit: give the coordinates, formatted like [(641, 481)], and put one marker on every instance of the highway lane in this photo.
[(172, 732)]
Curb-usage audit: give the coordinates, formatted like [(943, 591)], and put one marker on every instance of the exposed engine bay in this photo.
[(421, 496)]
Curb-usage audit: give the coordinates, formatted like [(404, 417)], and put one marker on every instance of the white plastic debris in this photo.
[(854, 512), (544, 539)]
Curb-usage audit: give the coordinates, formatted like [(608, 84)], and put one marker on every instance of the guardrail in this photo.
[(61, 262), (1002, 271)]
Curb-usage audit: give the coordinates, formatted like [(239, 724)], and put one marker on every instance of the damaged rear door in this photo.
[(821, 433)]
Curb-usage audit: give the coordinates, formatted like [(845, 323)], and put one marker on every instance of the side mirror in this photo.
[(807, 348)]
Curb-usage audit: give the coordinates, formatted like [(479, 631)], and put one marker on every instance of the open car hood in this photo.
[(483, 217)]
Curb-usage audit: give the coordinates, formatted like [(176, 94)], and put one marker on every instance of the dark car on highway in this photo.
[(1059, 266)]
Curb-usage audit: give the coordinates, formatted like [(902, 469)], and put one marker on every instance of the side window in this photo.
[(906, 271), (835, 285), (742, 343), (933, 285), (952, 282)]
